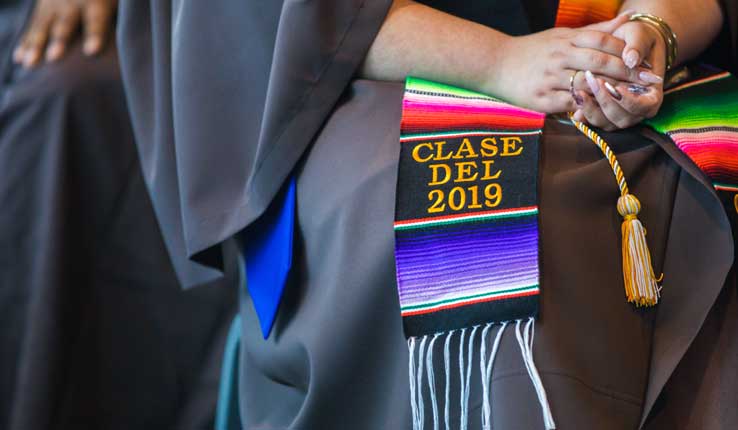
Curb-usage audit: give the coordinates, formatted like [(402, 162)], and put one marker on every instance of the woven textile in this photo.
[(578, 13), (466, 224), (701, 117)]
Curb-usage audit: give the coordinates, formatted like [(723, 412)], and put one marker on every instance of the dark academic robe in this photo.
[(229, 101), (95, 331)]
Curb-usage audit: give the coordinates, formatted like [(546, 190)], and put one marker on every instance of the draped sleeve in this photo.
[(225, 100)]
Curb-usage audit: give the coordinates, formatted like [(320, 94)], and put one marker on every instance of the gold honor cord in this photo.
[(641, 284)]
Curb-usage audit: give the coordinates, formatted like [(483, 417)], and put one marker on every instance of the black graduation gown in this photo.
[(229, 101), (95, 331)]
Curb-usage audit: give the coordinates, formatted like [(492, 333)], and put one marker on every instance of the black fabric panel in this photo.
[(471, 315)]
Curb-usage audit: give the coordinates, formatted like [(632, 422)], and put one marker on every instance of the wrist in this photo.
[(496, 63), (665, 34)]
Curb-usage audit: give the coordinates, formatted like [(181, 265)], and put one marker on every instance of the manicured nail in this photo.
[(631, 58), (646, 65), (92, 45), (613, 91), (578, 100), (18, 55), (650, 78), (578, 115), (30, 58), (592, 82), (55, 51), (637, 89)]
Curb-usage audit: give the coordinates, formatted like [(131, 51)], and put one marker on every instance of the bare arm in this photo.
[(531, 71), (422, 41)]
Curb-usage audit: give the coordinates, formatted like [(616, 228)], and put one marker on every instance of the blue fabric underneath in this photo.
[(268, 255), (227, 416)]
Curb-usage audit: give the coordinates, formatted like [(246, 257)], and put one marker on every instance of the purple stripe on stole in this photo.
[(434, 266)]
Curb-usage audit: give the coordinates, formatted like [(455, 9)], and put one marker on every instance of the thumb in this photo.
[(638, 44), (613, 24)]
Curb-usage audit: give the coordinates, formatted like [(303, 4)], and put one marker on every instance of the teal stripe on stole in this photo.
[(227, 416)]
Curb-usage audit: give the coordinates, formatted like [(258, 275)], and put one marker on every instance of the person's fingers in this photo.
[(600, 41), (564, 81), (607, 98), (62, 30), (639, 41), (603, 64), (611, 25), (640, 101), (561, 101), (591, 113), (98, 15), (35, 39)]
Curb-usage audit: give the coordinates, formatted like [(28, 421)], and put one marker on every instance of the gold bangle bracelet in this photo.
[(666, 33)]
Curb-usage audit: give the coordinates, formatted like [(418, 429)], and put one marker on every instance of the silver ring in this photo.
[(571, 83)]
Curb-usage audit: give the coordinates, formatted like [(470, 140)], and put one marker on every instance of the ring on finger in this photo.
[(577, 98)]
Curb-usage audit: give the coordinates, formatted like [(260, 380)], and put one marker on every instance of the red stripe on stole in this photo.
[(483, 300)]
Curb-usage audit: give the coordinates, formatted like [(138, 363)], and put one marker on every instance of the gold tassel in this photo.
[(641, 284)]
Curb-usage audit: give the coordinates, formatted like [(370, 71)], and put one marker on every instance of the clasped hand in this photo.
[(618, 68)]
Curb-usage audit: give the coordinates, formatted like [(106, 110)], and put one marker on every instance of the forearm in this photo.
[(696, 23), (421, 41)]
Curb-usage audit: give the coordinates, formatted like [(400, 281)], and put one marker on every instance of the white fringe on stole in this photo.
[(447, 365), (526, 348), (424, 361), (432, 381)]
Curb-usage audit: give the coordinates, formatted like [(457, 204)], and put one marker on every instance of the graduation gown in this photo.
[(95, 331), (228, 101)]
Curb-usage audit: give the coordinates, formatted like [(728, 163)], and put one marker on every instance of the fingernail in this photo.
[(578, 99), (637, 89), (650, 77), (18, 55), (578, 115), (92, 45), (592, 82), (613, 91), (631, 58), (30, 58), (646, 65), (55, 51)]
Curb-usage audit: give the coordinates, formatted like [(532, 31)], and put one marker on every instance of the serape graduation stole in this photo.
[(701, 117), (466, 235)]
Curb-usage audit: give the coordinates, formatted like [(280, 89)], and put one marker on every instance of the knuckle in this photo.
[(598, 60)]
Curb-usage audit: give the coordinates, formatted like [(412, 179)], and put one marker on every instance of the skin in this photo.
[(55, 23), (534, 70), (459, 52), (696, 24)]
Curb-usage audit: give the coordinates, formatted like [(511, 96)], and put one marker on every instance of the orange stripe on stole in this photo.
[(578, 13)]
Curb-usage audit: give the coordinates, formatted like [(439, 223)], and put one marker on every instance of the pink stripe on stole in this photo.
[(715, 152), (425, 102)]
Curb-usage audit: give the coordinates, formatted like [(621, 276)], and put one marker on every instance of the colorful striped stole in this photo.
[(701, 117), (578, 13), (466, 233)]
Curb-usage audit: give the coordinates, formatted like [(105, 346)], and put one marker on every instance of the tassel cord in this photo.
[(640, 281)]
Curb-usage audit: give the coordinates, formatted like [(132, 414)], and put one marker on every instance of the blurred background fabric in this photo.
[(95, 331)]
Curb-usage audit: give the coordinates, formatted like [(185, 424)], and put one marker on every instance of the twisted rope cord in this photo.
[(641, 283)]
